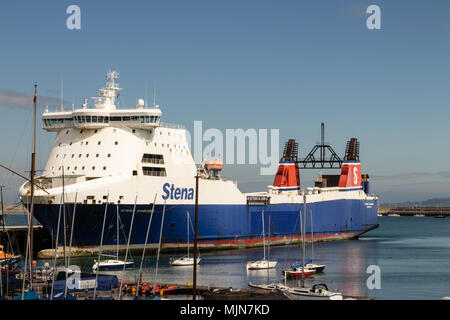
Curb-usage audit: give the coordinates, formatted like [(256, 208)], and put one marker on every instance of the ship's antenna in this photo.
[(62, 91), (146, 95), (154, 94)]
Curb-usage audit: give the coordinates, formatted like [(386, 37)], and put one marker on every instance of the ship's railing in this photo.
[(258, 200), (171, 125), (154, 161)]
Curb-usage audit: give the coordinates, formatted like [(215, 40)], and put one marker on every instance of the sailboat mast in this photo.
[(194, 282), (187, 224), (128, 244), (312, 237), (101, 246), (264, 238), (3, 214), (268, 243), (33, 170), (117, 223), (70, 241), (303, 240), (145, 246), (159, 246)]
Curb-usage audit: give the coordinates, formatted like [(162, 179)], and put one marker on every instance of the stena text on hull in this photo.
[(106, 159)]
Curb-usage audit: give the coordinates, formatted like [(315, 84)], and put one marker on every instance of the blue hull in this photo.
[(218, 225)]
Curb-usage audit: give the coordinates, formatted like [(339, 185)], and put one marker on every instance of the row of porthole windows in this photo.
[(176, 146), (87, 155), (75, 168), (87, 142)]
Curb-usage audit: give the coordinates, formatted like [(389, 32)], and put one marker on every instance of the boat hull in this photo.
[(128, 265), (219, 226), (261, 265)]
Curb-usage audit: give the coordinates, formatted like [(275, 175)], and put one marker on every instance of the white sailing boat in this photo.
[(185, 260), (113, 263), (310, 264), (264, 263)]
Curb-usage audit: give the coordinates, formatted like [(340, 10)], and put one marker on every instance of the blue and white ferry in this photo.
[(115, 158)]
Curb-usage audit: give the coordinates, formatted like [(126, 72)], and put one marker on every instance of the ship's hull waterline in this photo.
[(219, 227)]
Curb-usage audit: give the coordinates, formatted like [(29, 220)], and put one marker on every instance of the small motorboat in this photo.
[(112, 264), (261, 264), (317, 292), (183, 261)]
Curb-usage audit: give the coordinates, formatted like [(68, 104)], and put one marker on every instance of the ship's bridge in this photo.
[(98, 118), (104, 113)]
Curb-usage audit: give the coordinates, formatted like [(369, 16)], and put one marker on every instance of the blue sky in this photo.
[(248, 64)]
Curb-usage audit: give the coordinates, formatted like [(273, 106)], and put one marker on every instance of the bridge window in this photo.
[(157, 172)]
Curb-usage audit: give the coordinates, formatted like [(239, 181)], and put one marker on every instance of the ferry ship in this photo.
[(112, 161)]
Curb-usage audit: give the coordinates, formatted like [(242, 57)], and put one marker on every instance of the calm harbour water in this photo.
[(413, 254)]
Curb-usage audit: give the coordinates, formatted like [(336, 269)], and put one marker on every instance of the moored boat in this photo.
[(112, 264), (317, 292), (298, 272)]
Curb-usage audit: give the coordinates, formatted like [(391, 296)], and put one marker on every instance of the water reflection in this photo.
[(412, 253)]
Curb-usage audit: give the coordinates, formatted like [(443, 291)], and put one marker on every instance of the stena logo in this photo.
[(355, 177), (170, 191)]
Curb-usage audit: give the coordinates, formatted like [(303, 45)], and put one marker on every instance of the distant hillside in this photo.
[(436, 202)]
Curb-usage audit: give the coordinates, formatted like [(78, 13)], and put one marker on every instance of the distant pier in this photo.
[(437, 212)]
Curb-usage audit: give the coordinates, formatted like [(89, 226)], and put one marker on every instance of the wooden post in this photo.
[(194, 286)]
